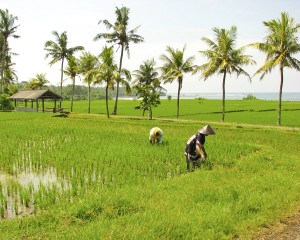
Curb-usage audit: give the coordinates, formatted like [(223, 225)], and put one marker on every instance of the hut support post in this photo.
[(54, 109)]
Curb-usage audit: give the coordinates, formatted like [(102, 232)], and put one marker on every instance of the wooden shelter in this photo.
[(22, 98)]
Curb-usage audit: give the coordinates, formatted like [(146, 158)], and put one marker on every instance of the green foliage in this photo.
[(38, 82), (147, 86), (200, 99), (89, 212), (8, 29), (250, 97), (5, 103), (150, 99)]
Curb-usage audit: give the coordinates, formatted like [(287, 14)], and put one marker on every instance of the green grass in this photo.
[(236, 111), (125, 188)]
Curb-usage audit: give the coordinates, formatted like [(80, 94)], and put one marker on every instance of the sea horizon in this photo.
[(286, 96)]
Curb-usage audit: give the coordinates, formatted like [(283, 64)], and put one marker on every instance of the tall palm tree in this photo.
[(147, 84), (88, 62), (120, 36), (223, 58), (107, 72), (59, 51), (72, 70), (174, 67), (280, 44), (10, 75), (7, 29)]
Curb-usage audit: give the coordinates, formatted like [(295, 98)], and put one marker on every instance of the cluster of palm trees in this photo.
[(223, 57), (102, 68)]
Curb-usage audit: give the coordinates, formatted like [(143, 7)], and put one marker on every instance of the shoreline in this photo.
[(288, 96)]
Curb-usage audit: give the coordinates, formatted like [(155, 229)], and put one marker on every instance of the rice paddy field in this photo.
[(237, 111), (85, 176)]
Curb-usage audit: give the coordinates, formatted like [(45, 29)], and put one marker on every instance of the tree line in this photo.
[(223, 58)]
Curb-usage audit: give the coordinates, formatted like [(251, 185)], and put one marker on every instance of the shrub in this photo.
[(200, 99), (5, 103), (250, 97)]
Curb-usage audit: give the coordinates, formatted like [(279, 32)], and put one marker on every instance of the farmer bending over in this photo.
[(156, 135), (194, 149)]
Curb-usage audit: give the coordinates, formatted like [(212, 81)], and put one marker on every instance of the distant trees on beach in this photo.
[(280, 45)]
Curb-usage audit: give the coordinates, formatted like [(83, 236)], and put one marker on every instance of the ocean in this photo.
[(288, 96)]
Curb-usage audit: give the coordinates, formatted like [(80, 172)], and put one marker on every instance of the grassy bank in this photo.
[(110, 183)]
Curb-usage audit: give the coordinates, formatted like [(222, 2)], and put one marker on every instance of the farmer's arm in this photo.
[(200, 151)]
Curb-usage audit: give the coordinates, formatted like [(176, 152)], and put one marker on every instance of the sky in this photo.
[(162, 23)]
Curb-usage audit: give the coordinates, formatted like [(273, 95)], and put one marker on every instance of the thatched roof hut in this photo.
[(34, 96)]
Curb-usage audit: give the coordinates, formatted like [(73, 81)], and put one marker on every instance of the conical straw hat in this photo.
[(207, 130)]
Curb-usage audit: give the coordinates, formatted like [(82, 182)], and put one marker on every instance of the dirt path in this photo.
[(288, 229)]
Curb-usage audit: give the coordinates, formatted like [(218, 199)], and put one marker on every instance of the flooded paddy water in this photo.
[(18, 190), (30, 183)]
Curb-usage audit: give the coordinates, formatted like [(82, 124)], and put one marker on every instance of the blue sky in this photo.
[(162, 23)]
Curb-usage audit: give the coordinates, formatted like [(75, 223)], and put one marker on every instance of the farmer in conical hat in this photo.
[(194, 149), (156, 135)]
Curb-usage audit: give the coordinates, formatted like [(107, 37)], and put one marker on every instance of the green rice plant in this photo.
[(16, 207), (105, 174)]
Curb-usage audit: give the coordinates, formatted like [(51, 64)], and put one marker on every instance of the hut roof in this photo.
[(35, 94)]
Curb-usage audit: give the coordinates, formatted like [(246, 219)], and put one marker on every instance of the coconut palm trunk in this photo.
[(89, 98), (61, 79), (106, 100), (73, 92), (178, 95), (118, 83), (223, 97), (280, 96), (2, 68)]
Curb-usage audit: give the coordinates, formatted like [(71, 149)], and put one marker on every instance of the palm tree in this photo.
[(120, 36), (88, 62), (10, 75), (7, 29), (72, 70), (147, 85), (59, 51), (107, 72), (281, 43), (38, 82), (223, 58), (174, 67), (147, 74)]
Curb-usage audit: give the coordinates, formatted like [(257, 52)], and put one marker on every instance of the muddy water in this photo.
[(10, 202)]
